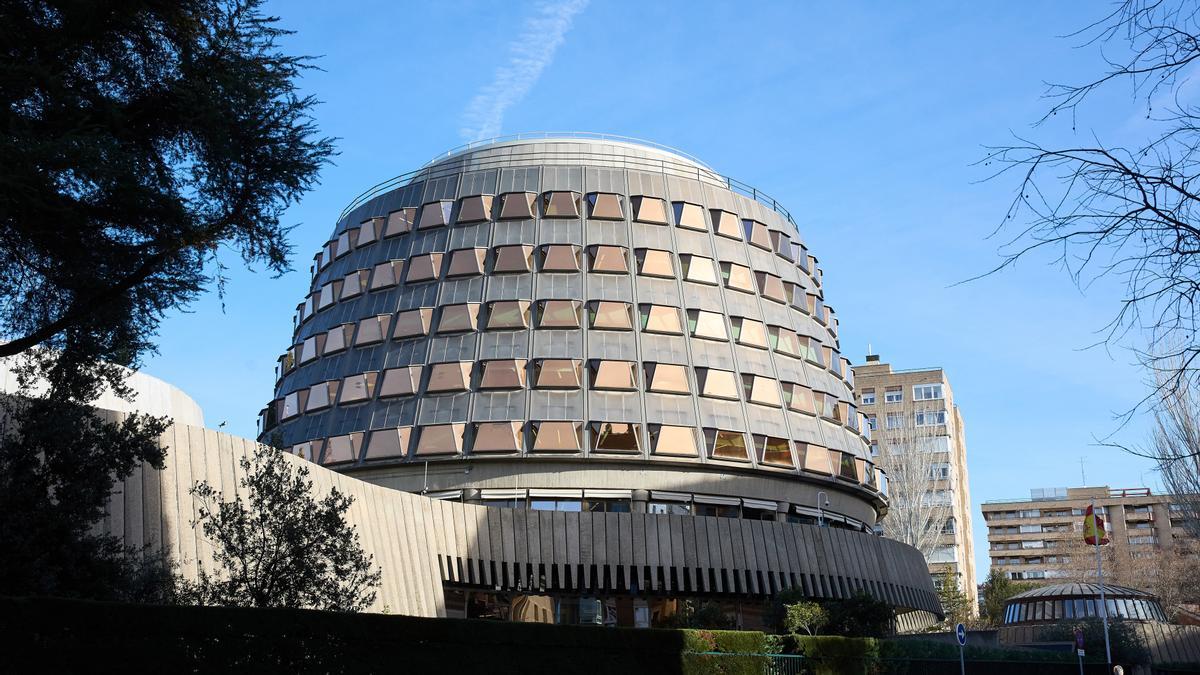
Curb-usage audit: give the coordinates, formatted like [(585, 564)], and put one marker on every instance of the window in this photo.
[(497, 437), (930, 418), (723, 444), (927, 392), (846, 467), (939, 471), (669, 508), (814, 458), (338, 338), (413, 323), (386, 274), (698, 269), (618, 437), (447, 377), (655, 263), (784, 341), (737, 277), (503, 374), (558, 314), (664, 378), (423, 267), (355, 284), (400, 221), (708, 325), (893, 395), (542, 504), (725, 224), (508, 314), (660, 319), (689, 216), (799, 398), (894, 421), (357, 388), (717, 383), (774, 451), (608, 315), (556, 436), (608, 259), (606, 505), (475, 209), (386, 443), (613, 375), (459, 318), (400, 381), (509, 259), (770, 287), (441, 439), (715, 510), (516, 205), (673, 441), (371, 330), (749, 332), (321, 395), (560, 258), (872, 422), (560, 205), (868, 397), (649, 210), (761, 390), (466, 262), (756, 233), (435, 214), (368, 231), (556, 374), (605, 206)]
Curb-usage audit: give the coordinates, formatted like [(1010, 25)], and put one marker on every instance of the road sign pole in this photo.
[(960, 632)]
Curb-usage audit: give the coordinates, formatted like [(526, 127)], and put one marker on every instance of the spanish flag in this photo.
[(1093, 528)]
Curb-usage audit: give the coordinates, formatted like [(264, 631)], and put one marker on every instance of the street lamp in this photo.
[(822, 500)]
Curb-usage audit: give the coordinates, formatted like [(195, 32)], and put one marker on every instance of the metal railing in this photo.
[(767, 664), (567, 135), (441, 165)]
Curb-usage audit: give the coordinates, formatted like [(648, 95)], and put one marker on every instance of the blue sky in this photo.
[(864, 120)]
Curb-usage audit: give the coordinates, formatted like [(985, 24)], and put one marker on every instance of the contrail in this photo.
[(528, 55)]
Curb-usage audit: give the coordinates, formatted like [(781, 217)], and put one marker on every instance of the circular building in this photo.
[(587, 324), (1061, 602)]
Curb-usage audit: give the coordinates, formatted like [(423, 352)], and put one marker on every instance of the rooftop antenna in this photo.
[(1082, 471), (869, 350)]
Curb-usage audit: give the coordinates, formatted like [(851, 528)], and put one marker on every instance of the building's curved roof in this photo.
[(151, 396), (1081, 591)]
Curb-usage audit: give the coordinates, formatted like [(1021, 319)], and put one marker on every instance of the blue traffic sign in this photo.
[(961, 632)]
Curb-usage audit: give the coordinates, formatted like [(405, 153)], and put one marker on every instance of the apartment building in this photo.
[(917, 405), (1033, 539)]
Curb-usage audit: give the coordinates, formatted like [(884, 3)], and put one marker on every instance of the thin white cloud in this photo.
[(528, 55)]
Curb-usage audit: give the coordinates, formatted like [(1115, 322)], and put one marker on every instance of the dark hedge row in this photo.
[(50, 635)]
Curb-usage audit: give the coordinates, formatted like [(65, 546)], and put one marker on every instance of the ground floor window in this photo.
[(619, 610)]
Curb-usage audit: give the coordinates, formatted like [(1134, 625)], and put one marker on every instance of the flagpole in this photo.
[(1097, 535)]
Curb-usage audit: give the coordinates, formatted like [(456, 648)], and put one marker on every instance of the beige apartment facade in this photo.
[(903, 406), (1033, 539)]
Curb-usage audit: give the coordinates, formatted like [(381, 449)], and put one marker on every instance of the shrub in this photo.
[(859, 616), (806, 617), (740, 652), (834, 654), (1126, 645)]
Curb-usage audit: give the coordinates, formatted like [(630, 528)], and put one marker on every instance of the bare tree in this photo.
[(918, 496), (1129, 213), (1175, 448)]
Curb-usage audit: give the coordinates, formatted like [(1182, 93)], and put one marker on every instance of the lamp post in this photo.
[(822, 500)]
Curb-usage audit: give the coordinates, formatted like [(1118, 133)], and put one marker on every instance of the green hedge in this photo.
[(740, 652), (50, 635), (833, 654)]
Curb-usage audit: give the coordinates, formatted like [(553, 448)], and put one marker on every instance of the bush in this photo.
[(859, 616), (806, 617), (1127, 647), (834, 654), (740, 652)]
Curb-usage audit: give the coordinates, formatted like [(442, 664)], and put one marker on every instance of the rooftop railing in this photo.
[(443, 165)]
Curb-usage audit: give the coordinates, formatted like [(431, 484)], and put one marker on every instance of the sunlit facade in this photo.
[(582, 325)]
